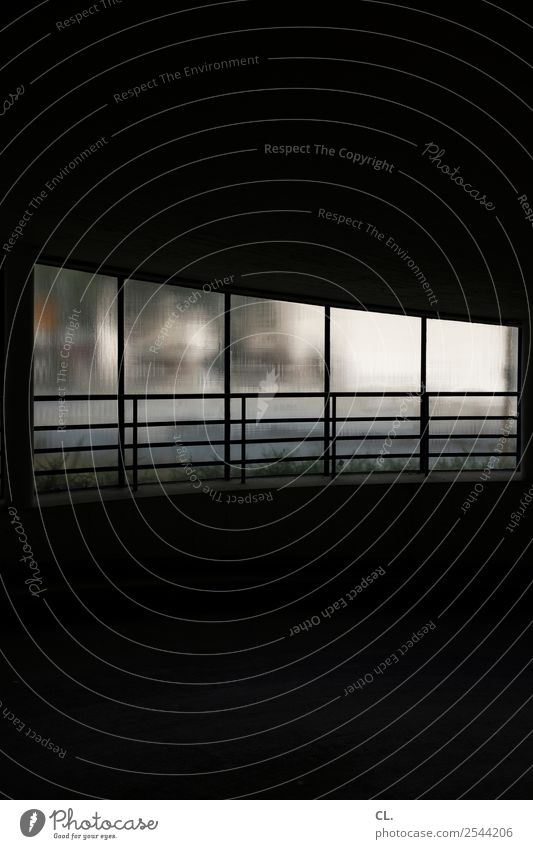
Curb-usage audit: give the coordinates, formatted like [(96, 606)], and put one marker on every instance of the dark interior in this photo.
[(158, 655)]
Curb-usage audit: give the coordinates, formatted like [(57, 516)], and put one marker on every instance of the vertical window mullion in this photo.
[(120, 387), (424, 400), (327, 389), (227, 386)]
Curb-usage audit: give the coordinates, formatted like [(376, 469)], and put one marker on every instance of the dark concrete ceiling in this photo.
[(182, 186)]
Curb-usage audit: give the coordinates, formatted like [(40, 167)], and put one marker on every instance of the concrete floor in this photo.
[(165, 674), (288, 731)]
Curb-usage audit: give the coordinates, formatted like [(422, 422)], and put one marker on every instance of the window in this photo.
[(75, 353), (174, 344), (174, 339), (472, 357), (278, 346), (75, 322), (276, 343), (374, 352), (278, 417)]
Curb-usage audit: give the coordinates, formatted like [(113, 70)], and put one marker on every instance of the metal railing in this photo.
[(328, 427)]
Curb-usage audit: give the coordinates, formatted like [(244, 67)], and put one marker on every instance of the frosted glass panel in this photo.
[(376, 408), (178, 474), (292, 467), (374, 352), (187, 457), (176, 410), (78, 413), (75, 332), (56, 481), (174, 339), (470, 357), (274, 452), (471, 463), (474, 405), (496, 445), (351, 447), (89, 459), (70, 440), (376, 429), (362, 465), (201, 432), (276, 346), (180, 448), (472, 427), (261, 409), (289, 430)]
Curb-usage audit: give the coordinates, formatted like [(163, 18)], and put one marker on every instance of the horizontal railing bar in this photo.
[(70, 449), (285, 420), (188, 422), (268, 440), (183, 444), (292, 420), (408, 456), (382, 436), (278, 439), (184, 423), (342, 419), (91, 470), (73, 449), (176, 396), (109, 426), (77, 397), (470, 436), (472, 393), (234, 422), (273, 460), (83, 470), (208, 396), (318, 458), (180, 423), (237, 463), (130, 467), (472, 454), (414, 394), (472, 418)]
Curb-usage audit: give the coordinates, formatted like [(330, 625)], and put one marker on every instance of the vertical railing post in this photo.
[(120, 374), (243, 439), (333, 436), (227, 386), (327, 433), (424, 400), (424, 433), (135, 423), (327, 388)]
